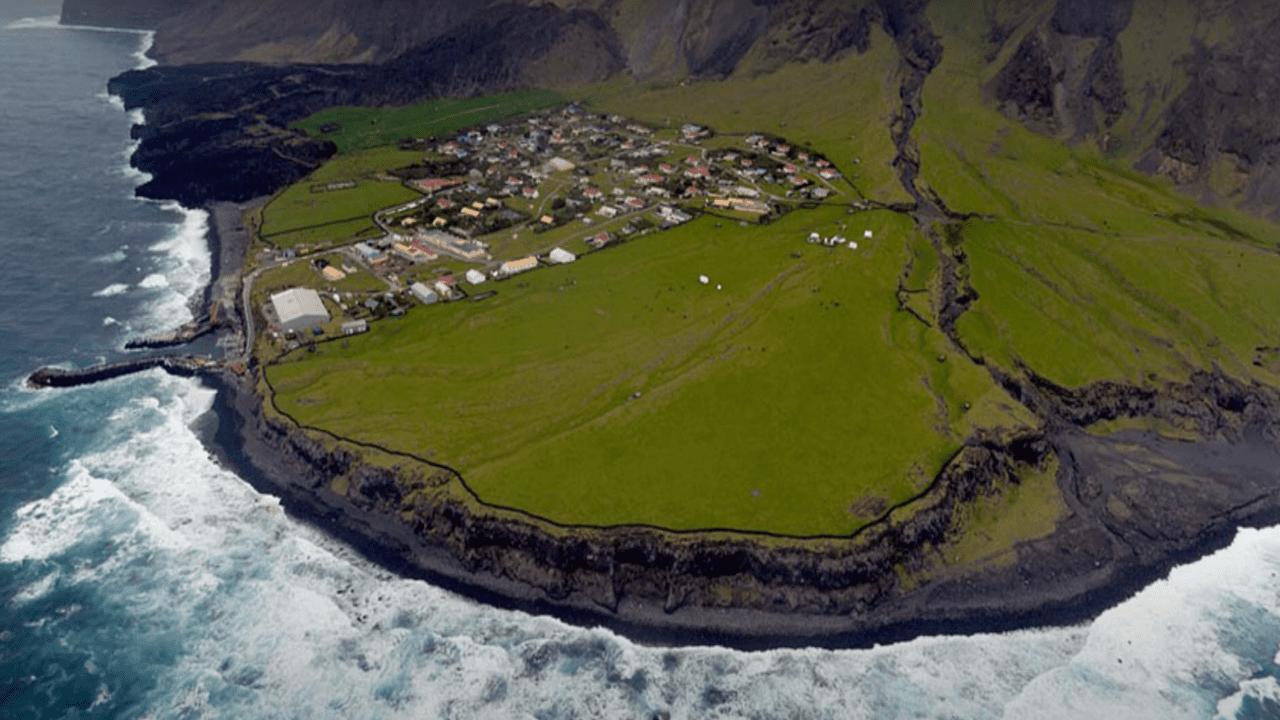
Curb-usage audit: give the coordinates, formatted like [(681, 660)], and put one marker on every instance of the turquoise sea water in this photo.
[(140, 579)]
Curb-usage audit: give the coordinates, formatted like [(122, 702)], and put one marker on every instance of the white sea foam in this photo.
[(275, 614), (144, 62), (112, 290), (154, 281), (112, 257), (51, 22), (183, 267)]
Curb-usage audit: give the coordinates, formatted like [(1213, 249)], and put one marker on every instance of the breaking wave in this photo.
[(112, 290)]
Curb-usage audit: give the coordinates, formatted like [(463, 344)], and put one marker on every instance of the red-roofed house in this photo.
[(701, 171), (444, 203), (591, 192), (433, 184)]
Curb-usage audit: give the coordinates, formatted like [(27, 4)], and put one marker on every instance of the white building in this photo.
[(299, 309), (562, 256), (475, 277), (424, 294), (514, 267)]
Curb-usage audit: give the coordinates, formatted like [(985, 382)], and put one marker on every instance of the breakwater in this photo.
[(184, 365), (181, 336)]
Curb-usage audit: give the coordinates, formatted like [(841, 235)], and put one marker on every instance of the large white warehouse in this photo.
[(299, 309)]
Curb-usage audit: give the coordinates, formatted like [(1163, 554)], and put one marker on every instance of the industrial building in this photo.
[(299, 309)]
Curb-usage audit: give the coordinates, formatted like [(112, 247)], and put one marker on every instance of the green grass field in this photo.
[(774, 404), (363, 128), (299, 216)]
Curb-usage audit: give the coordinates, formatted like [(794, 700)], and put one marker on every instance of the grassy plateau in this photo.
[(800, 397)]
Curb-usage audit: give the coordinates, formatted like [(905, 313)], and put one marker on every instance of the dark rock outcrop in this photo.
[(220, 132)]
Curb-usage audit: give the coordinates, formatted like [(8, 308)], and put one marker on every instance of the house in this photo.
[(607, 211), (559, 164), (420, 252), (439, 222), (700, 171), (424, 294), (530, 192), (475, 277), (513, 267), (591, 193), (828, 174), (635, 203), (750, 206), (560, 256), (471, 212), (599, 240), (790, 169), (367, 253), (433, 184), (299, 309), (666, 168), (442, 289), (650, 179), (355, 327)]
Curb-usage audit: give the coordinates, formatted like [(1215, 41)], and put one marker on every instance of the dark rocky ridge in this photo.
[(219, 132)]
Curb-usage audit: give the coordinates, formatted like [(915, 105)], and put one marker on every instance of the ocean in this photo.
[(139, 578)]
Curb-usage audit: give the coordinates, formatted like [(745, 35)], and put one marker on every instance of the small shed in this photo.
[(475, 277)]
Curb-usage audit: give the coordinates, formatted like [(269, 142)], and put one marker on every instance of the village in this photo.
[(507, 198)]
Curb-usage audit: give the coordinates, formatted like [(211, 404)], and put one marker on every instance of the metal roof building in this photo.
[(299, 309)]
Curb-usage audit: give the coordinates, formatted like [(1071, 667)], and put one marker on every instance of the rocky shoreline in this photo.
[(1094, 560)]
